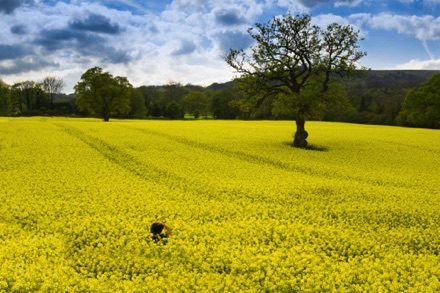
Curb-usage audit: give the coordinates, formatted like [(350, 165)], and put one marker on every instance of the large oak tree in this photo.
[(102, 94), (296, 64)]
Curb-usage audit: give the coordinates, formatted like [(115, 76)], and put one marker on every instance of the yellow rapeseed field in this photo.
[(360, 213)]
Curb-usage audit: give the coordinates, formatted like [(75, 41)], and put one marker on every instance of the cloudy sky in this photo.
[(154, 42)]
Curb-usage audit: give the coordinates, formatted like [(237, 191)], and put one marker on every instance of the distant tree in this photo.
[(17, 98), (5, 96), (42, 102), (53, 86), (28, 93), (28, 98), (222, 106), (102, 94), (421, 107), (196, 103), (152, 98), (296, 63), (174, 91), (148, 94), (137, 105), (173, 110)]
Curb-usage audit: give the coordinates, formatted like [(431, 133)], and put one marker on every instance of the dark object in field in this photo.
[(157, 228)]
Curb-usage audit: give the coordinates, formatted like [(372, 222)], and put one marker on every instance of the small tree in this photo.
[(296, 63), (102, 94), (421, 107)]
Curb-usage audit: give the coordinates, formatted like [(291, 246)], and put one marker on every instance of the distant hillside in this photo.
[(221, 86), (396, 78), (373, 79)]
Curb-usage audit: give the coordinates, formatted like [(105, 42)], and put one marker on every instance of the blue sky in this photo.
[(154, 42)]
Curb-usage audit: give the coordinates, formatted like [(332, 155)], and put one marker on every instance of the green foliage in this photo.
[(102, 94), (376, 97), (137, 105), (153, 99), (28, 98), (320, 103), (421, 107), (173, 110), (222, 104), (295, 63), (5, 96), (174, 91), (196, 103)]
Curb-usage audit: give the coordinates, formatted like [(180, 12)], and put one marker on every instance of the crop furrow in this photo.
[(250, 158), (121, 158), (139, 168), (255, 159)]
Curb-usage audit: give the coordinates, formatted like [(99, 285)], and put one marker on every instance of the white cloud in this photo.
[(294, 6), (433, 64), (305, 6), (130, 3), (202, 29), (182, 41), (351, 3), (324, 20), (422, 27)]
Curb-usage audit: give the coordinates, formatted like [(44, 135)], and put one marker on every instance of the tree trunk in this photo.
[(105, 111), (106, 117), (301, 134)]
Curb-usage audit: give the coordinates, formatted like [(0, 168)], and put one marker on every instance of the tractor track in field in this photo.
[(255, 159), (249, 158), (158, 175), (125, 160), (141, 169)]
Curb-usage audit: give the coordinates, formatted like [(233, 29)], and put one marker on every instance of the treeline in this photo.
[(176, 101), (170, 101), (376, 97), (30, 98)]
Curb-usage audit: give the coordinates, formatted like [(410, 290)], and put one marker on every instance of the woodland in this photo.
[(375, 96)]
